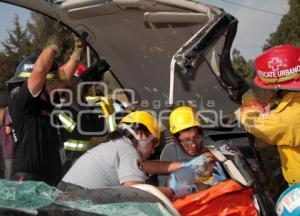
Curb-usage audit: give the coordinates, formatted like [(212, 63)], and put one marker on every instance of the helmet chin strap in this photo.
[(130, 130), (143, 143)]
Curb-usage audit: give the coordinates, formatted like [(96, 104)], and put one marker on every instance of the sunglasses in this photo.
[(188, 141)]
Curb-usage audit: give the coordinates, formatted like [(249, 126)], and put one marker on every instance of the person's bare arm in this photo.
[(41, 67), (167, 191), (164, 167), (160, 167), (69, 68)]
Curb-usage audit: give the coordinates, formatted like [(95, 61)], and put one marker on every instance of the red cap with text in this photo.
[(278, 68)]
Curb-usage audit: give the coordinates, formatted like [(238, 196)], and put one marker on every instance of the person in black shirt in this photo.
[(39, 151)]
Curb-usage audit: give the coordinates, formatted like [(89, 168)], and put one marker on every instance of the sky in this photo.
[(257, 19), (254, 25), (7, 14)]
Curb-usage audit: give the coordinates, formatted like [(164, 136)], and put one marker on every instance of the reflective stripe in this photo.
[(105, 103), (25, 74), (77, 145), (111, 123), (68, 123)]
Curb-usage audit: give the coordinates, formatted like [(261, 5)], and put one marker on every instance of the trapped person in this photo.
[(189, 143), (276, 122), (7, 143), (123, 159), (38, 145)]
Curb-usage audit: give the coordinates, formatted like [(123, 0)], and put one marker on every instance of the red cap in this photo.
[(81, 68), (278, 67)]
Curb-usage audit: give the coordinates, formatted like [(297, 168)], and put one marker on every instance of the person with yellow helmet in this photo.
[(123, 159), (189, 143)]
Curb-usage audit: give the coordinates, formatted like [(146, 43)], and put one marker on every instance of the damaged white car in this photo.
[(159, 54)]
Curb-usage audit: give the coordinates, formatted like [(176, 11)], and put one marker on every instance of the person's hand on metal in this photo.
[(180, 189), (250, 102), (197, 162), (54, 42), (78, 48)]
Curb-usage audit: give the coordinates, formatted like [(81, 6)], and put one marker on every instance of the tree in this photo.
[(241, 65), (288, 31), (16, 46), (41, 27), (31, 39)]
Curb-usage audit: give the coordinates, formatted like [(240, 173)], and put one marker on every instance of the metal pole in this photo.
[(88, 56)]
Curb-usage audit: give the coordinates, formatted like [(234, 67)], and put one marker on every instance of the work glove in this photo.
[(248, 96), (196, 163), (55, 43), (218, 175), (180, 189), (78, 48)]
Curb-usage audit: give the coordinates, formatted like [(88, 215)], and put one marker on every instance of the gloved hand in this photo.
[(197, 162), (218, 174), (55, 43), (180, 189), (248, 96), (78, 48)]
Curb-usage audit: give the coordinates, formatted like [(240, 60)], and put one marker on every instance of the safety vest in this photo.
[(68, 123), (72, 144), (76, 145)]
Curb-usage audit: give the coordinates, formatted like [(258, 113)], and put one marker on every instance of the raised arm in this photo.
[(43, 65), (69, 68)]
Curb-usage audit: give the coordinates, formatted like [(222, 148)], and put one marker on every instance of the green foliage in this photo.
[(16, 46), (41, 27), (288, 31), (32, 39), (245, 68)]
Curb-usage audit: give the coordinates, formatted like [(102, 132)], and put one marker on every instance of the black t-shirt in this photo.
[(37, 144)]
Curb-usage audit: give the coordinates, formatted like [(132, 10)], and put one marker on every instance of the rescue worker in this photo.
[(86, 129), (276, 122), (123, 159), (76, 142), (38, 149), (189, 143), (81, 130)]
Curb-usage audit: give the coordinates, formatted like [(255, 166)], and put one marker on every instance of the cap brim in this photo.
[(290, 85), (15, 80)]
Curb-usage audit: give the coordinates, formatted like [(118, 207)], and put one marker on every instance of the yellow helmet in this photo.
[(146, 119), (182, 118)]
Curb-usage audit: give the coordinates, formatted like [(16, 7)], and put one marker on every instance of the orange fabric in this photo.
[(227, 198)]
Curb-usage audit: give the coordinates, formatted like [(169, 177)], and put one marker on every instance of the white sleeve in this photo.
[(129, 166)]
